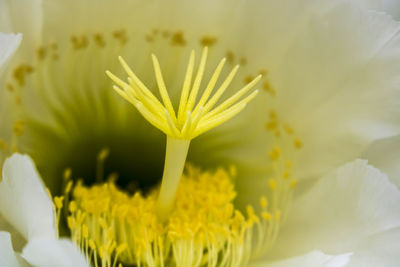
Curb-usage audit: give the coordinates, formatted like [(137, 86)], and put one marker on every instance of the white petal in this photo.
[(378, 250), (311, 259), (24, 16), (7, 255), (384, 154), (355, 201), (8, 45), (336, 85), (24, 201), (53, 252), (5, 22), (339, 86), (392, 7), (17, 240)]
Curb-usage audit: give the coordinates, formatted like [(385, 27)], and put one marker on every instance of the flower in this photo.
[(328, 93), (27, 207)]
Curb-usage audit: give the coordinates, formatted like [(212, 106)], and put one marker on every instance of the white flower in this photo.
[(27, 207), (331, 88)]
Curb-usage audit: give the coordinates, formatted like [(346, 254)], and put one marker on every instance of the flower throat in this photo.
[(190, 220)]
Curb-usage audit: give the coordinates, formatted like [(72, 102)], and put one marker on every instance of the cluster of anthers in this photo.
[(203, 229), (191, 219)]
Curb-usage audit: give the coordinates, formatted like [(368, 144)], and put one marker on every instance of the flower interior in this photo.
[(115, 207)]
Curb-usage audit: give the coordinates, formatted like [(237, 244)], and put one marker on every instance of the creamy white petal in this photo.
[(378, 250), (53, 252), (24, 16), (336, 85), (344, 207), (18, 241), (7, 255), (5, 22), (311, 259), (339, 86), (392, 7), (8, 45), (384, 154), (24, 202)]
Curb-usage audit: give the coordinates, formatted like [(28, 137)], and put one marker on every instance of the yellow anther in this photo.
[(266, 216), (10, 87), (68, 187), (263, 202), (99, 39), (253, 218), (271, 125), (102, 223), (85, 231), (230, 57), (18, 128), (288, 164), (71, 222), (72, 206), (79, 42), (293, 183), (208, 41), (149, 38), (272, 184), (272, 114), (67, 174), (58, 201), (275, 153), (121, 36), (41, 53), (121, 248), (248, 79), (110, 234), (298, 143), (178, 38), (3, 145), (20, 73), (288, 129), (103, 154), (92, 245), (286, 174), (269, 89)]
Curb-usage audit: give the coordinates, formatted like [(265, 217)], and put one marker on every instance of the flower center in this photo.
[(203, 228), (62, 101)]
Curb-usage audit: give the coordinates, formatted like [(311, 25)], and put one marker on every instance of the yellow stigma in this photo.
[(190, 121)]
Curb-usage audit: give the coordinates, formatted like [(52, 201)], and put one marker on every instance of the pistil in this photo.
[(191, 119)]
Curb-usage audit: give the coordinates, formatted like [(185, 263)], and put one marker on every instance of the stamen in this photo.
[(191, 120), (204, 228)]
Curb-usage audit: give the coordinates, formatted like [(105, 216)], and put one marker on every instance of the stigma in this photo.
[(192, 119)]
